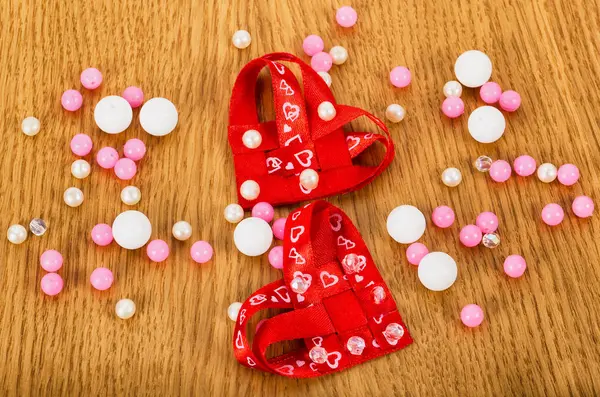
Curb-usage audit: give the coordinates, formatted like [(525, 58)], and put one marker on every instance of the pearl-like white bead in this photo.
[(339, 54), (80, 169), (131, 195), (326, 111), (241, 39), (452, 88), (250, 190), (233, 310), (30, 126), (252, 139), (327, 77), (182, 230), (131, 229), (395, 113), (16, 234), (73, 197), (125, 308), (547, 172), (451, 177), (234, 213), (309, 179)]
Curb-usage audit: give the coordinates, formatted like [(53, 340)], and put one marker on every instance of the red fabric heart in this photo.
[(337, 305), (298, 138)]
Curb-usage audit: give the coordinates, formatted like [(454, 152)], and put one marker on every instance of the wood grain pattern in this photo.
[(541, 332)]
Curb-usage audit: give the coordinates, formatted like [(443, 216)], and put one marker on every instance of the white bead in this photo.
[(395, 113), (73, 197), (486, 124), (233, 310), (252, 139), (406, 224), (250, 190), (131, 195), (182, 230), (125, 308), (30, 126), (547, 172), (309, 179), (473, 68), (131, 229), (326, 111), (451, 177), (327, 77), (339, 55), (113, 114), (452, 88), (16, 234), (159, 116), (437, 271), (234, 213), (80, 169), (253, 236), (241, 39)]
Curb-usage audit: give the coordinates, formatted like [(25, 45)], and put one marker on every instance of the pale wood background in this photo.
[(541, 333)]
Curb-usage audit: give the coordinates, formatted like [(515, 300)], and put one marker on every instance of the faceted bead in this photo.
[(491, 240), (299, 285), (318, 355), (378, 294), (38, 226), (393, 332), (350, 263), (356, 345), (483, 163)]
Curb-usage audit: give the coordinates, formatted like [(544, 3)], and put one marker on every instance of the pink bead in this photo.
[(470, 236), (81, 145), (102, 234), (553, 214), (276, 257), (201, 252), (263, 211), (487, 222), (525, 165), (400, 76), (101, 278), (500, 171), (471, 315), (52, 284), (443, 216), (510, 100), (279, 228), (71, 100), (134, 95), (91, 78), (313, 44), (583, 206), (157, 250), (568, 174), (134, 149), (321, 62), (490, 92), (415, 252), (514, 266), (125, 169), (453, 107), (51, 260), (346, 16), (107, 157)]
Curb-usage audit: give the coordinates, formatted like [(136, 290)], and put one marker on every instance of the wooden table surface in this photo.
[(541, 332)]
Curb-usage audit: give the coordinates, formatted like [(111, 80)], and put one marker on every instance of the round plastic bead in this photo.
[(415, 252), (437, 271), (253, 236), (201, 252), (91, 78), (406, 224), (471, 315), (52, 284), (51, 260), (157, 250), (101, 278), (131, 229), (470, 236), (443, 216)]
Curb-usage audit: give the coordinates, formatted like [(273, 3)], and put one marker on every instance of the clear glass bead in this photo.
[(318, 355), (299, 285), (393, 332), (378, 294), (491, 240), (38, 226), (350, 263), (483, 163), (356, 345)]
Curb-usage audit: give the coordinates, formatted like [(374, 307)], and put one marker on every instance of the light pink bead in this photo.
[(134, 149), (453, 107), (510, 100), (490, 92), (71, 100), (487, 222), (91, 78), (443, 216), (583, 206), (107, 157), (157, 250), (525, 165), (400, 76), (415, 252), (125, 169), (471, 315), (81, 145), (470, 236), (321, 62), (514, 266), (102, 234), (101, 278), (52, 284), (553, 214), (276, 257), (201, 252), (279, 228), (51, 260), (346, 16), (313, 44), (134, 95), (263, 211), (500, 171), (568, 174)]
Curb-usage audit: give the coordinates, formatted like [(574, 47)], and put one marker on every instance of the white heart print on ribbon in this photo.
[(337, 356), (335, 220), (352, 141), (285, 87), (273, 164), (328, 279), (291, 112), (294, 254), (279, 67), (342, 241), (296, 232), (304, 157), (257, 299)]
